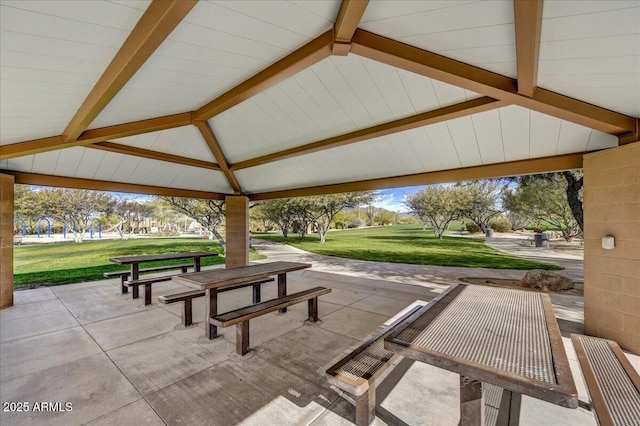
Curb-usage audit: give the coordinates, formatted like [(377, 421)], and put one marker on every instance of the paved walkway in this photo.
[(419, 274)]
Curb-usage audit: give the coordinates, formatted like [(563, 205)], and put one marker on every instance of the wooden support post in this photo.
[(187, 313), (366, 407), (471, 406), (124, 288), (147, 294), (211, 307), (313, 309), (135, 274), (509, 412), (256, 293), (242, 337), (282, 288)]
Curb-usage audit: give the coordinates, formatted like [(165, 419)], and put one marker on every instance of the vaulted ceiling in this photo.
[(281, 98)]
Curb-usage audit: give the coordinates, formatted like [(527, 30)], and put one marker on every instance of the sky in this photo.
[(393, 199)]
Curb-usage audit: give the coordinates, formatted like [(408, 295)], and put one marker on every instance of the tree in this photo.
[(208, 213), (76, 208), (280, 212), (386, 217), (320, 210), (437, 206), (545, 199), (129, 215), (479, 201)]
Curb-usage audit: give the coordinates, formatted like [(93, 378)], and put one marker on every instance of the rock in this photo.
[(546, 281)]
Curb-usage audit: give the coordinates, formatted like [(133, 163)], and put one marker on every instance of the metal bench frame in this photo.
[(363, 387), (613, 387)]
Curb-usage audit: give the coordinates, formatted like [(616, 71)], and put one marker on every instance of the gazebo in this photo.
[(253, 100)]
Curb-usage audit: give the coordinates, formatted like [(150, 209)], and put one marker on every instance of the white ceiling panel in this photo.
[(443, 145), (182, 141), (515, 132), (479, 33), (545, 133), (573, 138), (52, 55), (489, 136), (335, 96), (591, 51), (464, 138), (86, 163), (217, 46)]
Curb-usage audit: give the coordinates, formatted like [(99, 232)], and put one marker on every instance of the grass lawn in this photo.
[(64, 263), (408, 244)]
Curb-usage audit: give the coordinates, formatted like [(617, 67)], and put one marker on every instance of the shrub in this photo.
[(500, 224), (473, 228)]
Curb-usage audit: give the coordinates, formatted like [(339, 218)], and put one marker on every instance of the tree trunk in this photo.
[(573, 197)]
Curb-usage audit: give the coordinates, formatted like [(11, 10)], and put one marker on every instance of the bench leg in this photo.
[(134, 292), (313, 309), (124, 288), (147, 294), (509, 413), (187, 314), (184, 269), (211, 308), (366, 407), (256, 293), (471, 405), (282, 289), (242, 338)]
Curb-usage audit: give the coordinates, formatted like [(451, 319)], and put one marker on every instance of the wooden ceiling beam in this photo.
[(100, 185), (349, 17), (95, 135), (513, 168), (304, 57), (632, 136), (153, 155), (158, 21), (214, 146), (424, 119), (459, 74), (528, 23)]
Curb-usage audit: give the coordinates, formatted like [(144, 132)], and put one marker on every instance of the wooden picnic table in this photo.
[(135, 261), (508, 338), (212, 280)]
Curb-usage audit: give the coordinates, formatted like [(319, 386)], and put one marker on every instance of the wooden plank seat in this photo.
[(612, 382), (240, 317), (188, 296), (357, 372), (124, 275)]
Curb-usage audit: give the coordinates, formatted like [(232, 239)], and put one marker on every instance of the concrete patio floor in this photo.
[(120, 362)]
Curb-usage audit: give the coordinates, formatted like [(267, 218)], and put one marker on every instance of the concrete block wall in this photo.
[(612, 277), (6, 240), (237, 231)]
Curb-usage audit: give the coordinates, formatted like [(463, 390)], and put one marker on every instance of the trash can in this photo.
[(489, 233), (542, 239)]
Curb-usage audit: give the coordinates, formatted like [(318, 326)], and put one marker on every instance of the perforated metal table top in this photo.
[(509, 338)]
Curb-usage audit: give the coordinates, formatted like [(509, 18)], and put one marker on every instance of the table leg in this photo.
[(509, 413), (211, 310), (135, 274), (196, 264), (471, 405), (282, 288)]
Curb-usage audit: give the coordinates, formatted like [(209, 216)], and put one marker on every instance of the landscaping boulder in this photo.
[(546, 281)]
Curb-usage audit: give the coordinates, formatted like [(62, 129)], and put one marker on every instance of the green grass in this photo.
[(408, 244), (64, 263)]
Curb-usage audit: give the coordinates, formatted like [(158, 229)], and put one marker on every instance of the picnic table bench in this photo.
[(124, 275), (135, 281), (357, 372), (188, 296), (612, 383), (240, 317)]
